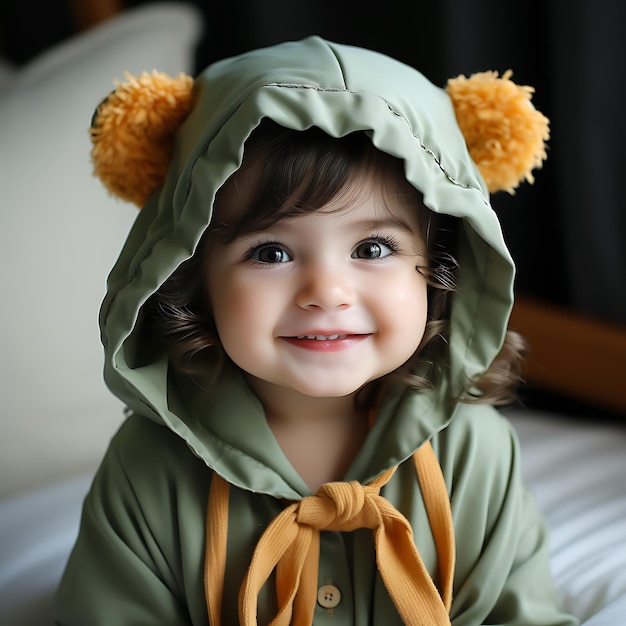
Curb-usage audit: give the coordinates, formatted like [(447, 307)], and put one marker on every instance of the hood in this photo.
[(340, 89)]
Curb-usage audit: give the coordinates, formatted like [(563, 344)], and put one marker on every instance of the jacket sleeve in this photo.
[(502, 575), (128, 564)]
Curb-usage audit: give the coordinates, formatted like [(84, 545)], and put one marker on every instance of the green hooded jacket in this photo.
[(140, 552)]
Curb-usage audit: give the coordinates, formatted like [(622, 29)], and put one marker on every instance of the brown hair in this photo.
[(300, 172)]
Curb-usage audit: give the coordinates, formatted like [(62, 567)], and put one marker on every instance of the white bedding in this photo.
[(576, 470), (37, 531)]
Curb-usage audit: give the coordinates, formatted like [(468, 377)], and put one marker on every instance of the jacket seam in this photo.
[(392, 109)]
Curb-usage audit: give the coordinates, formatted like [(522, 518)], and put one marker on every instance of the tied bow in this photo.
[(291, 543)]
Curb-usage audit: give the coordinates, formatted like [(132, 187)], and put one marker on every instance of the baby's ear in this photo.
[(133, 130), (505, 134)]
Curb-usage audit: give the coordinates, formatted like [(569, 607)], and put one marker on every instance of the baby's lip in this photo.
[(326, 342)]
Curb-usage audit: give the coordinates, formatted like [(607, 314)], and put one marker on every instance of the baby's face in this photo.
[(325, 302)]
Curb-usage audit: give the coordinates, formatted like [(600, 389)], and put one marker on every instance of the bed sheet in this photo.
[(37, 531), (576, 469)]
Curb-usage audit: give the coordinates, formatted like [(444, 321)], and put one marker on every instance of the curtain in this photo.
[(567, 232)]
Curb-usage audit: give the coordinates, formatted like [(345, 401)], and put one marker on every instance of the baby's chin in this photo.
[(312, 388), (335, 390)]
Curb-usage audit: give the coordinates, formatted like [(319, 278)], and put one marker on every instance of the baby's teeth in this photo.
[(320, 337)]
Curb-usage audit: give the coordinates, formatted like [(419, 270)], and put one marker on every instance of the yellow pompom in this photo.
[(133, 131), (505, 134)]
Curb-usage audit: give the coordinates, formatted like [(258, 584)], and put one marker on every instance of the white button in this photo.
[(328, 596)]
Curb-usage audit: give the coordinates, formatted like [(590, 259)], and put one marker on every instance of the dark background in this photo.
[(567, 232)]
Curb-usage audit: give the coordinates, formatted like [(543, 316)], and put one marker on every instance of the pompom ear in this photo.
[(132, 132), (505, 134)]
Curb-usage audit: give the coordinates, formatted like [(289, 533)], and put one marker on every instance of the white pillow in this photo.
[(60, 233)]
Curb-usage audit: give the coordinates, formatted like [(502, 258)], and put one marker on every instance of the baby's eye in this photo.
[(270, 253), (373, 249)]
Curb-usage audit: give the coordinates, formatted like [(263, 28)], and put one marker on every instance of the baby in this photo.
[(308, 324)]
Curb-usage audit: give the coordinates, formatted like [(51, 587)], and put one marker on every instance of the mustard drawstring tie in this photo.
[(290, 545)]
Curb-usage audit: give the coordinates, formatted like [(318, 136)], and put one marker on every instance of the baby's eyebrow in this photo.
[(391, 222)]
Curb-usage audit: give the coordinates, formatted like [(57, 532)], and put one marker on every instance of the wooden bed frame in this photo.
[(573, 355)]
